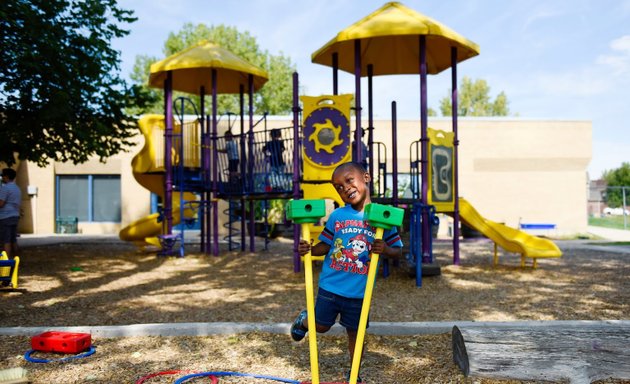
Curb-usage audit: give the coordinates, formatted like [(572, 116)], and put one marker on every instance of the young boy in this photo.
[(231, 150), (347, 242), (275, 149)]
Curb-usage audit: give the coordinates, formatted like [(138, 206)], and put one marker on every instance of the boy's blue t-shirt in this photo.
[(350, 238)]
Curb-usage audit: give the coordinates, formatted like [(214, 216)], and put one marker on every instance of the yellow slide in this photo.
[(150, 175), (510, 239)]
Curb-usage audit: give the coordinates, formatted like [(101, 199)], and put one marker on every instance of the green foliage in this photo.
[(61, 97), (617, 178), (275, 215), (275, 97), (473, 99)]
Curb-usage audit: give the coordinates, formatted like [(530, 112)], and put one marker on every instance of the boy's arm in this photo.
[(379, 246), (319, 249)]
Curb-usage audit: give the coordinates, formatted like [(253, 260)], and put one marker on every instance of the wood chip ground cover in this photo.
[(114, 283)]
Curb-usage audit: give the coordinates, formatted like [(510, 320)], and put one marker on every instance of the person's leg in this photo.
[(326, 312), (5, 236), (352, 342), (350, 317), (13, 236), (14, 248)]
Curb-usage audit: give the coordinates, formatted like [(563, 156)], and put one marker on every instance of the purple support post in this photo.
[(215, 175), (250, 90), (426, 232), (370, 69), (455, 157), (206, 193), (335, 66), (168, 147), (296, 168), (241, 92), (394, 154), (357, 96), (204, 154), (241, 156)]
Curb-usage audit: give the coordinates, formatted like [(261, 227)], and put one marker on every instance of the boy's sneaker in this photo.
[(298, 331), (359, 380)]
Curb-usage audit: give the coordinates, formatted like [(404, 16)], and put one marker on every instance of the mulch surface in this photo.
[(114, 283)]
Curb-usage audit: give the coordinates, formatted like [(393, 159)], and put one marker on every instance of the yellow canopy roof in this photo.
[(192, 68), (389, 41)]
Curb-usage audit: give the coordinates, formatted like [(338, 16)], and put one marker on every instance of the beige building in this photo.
[(511, 170)]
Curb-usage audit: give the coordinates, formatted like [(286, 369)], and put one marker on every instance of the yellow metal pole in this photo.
[(365, 311), (310, 307), (14, 277)]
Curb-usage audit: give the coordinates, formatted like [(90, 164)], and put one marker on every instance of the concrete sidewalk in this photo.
[(376, 328), (610, 234)]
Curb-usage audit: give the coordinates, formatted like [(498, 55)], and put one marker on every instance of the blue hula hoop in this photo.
[(87, 353), (202, 374)]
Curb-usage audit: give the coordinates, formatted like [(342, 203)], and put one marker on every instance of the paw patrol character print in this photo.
[(358, 251), (337, 253)]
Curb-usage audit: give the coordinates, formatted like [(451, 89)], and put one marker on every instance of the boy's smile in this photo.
[(351, 185)]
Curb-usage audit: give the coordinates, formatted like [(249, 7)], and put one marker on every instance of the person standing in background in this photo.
[(10, 202)]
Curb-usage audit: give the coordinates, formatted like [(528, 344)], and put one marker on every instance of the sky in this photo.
[(558, 59)]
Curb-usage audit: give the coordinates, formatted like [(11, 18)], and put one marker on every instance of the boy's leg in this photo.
[(300, 326), (350, 318), (326, 312), (352, 342)]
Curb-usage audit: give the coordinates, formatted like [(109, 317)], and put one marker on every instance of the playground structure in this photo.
[(195, 171)]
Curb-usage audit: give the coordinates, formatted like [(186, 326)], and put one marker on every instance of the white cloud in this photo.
[(619, 60)]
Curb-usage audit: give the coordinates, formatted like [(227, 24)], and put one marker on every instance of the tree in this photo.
[(619, 177), (61, 97), (274, 98), (473, 99)]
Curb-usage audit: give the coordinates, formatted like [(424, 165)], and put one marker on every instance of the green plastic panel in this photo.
[(306, 211)]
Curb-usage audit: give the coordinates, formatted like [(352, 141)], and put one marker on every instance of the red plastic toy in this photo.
[(63, 342)]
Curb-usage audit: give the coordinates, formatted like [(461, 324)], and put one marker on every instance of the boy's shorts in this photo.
[(8, 230), (329, 305)]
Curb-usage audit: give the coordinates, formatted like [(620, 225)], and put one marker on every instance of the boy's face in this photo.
[(351, 185)]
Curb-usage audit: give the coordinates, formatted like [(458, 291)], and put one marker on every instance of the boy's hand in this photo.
[(303, 247), (379, 246)]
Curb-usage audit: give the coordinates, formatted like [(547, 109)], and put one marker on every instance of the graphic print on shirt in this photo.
[(351, 251)]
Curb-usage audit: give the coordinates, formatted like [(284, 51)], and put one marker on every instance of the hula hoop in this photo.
[(87, 353), (202, 374), (213, 379)]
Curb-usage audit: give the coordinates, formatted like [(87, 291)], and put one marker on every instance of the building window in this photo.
[(90, 198)]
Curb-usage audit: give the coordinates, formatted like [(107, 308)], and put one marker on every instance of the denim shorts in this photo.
[(329, 305), (8, 230)]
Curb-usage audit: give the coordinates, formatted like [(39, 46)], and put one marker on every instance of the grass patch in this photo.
[(615, 222), (613, 244)]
